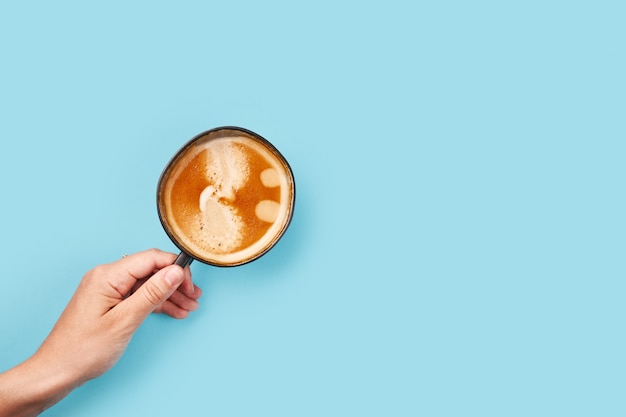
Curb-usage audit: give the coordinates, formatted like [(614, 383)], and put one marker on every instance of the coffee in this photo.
[(226, 197)]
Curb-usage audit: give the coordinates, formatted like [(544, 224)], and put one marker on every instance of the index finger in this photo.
[(132, 268), (142, 264)]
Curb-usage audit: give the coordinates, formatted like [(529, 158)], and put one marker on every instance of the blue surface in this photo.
[(458, 242)]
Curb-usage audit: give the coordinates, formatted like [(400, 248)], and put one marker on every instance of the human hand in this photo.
[(95, 328), (110, 303)]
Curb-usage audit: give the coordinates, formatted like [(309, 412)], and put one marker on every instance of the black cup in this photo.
[(171, 177)]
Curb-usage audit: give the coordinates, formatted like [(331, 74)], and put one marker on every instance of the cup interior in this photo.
[(226, 197)]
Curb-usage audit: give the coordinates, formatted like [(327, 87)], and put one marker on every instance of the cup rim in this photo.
[(166, 171)]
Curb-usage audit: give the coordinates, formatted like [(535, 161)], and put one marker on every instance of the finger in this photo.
[(142, 264), (183, 301), (197, 293), (187, 286), (172, 310), (132, 268), (153, 293)]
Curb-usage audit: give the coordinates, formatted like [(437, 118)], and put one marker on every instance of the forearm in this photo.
[(31, 387)]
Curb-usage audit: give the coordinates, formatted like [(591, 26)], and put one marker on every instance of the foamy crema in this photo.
[(226, 197)]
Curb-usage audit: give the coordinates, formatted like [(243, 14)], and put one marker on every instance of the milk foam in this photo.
[(270, 178), (228, 170), (221, 227)]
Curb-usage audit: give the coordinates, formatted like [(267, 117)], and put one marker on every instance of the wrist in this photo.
[(33, 386)]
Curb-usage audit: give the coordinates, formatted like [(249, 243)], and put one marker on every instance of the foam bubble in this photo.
[(267, 210), (270, 178)]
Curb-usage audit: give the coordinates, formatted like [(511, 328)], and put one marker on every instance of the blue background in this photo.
[(458, 242)]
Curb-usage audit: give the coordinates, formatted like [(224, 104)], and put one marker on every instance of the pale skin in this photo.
[(95, 328)]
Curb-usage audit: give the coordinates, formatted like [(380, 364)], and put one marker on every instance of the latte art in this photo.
[(226, 198)]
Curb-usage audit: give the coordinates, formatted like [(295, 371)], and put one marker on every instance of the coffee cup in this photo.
[(226, 197)]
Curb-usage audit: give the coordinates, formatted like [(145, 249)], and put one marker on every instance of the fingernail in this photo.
[(174, 276)]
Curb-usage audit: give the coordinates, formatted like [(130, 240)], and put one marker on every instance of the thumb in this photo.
[(154, 292)]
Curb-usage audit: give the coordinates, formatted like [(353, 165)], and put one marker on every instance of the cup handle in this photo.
[(183, 260)]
